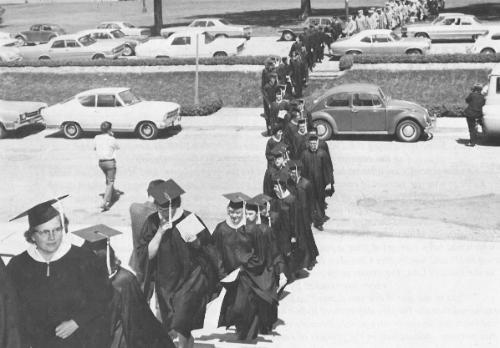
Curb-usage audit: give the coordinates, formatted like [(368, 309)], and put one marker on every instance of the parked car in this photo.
[(126, 28), (289, 33), (449, 26), (183, 44), (364, 108), (7, 39), (17, 114), (118, 37), (218, 27), (491, 114), (74, 46), (379, 41), (10, 54), (118, 105), (488, 43), (39, 33)]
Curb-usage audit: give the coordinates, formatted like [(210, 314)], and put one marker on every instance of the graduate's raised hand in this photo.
[(165, 225), (66, 329)]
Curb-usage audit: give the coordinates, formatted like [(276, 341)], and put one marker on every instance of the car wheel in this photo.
[(221, 35), (408, 131), (220, 54), (72, 130), (3, 131), (98, 56), (21, 41), (353, 53), (488, 51), (324, 128), (288, 36), (147, 130), (422, 35), (128, 51), (44, 58), (414, 52)]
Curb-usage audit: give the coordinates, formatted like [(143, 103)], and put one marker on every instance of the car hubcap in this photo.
[(408, 131), (71, 130), (147, 131), (321, 129), (127, 51)]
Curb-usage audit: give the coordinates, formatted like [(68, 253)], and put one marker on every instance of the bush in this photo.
[(203, 109), (425, 59), (346, 62), (233, 60)]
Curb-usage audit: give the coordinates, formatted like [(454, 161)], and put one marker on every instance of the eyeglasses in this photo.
[(45, 233)]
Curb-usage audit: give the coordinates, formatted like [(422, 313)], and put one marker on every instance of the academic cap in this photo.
[(41, 213), (153, 184), (258, 201), (236, 199), (167, 191), (280, 177), (278, 151), (312, 137)]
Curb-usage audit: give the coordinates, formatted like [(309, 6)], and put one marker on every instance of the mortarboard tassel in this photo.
[(259, 220), (268, 206), (108, 257)]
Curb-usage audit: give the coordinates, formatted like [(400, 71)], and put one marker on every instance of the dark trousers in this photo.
[(471, 124)]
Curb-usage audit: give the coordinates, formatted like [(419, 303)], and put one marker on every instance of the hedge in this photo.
[(203, 109), (232, 60), (425, 59)]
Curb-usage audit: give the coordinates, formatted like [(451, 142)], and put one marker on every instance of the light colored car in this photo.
[(118, 37), (488, 43), (449, 26), (17, 114), (10, 54), (379, 41), (126, 28), (364, 108), (73, 46), (7, 39), (218, 27), (491, 114), (183, 44), (289, 33), (118, 105), (39, 33)]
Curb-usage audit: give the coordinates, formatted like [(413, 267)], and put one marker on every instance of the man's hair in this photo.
[(106, 126)]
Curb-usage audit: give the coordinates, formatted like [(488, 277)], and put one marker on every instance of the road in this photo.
[(409, 257)]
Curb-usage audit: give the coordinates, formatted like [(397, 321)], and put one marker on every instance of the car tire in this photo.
[(220, 54), (414, 51), (488, 51), (325, 129), (128, 51), (98, 56), (353, 53), (408, 131), (288, 36), (3, 132), (21, 40), (44, 58), (162, 57), (147, 130), (422, 35), (72, 130)]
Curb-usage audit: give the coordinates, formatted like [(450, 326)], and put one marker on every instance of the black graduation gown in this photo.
[(304, 195), (299, 145), (288, 133), (250, 301), (297, 76), (268, 185), (9, 317), (318, 169), (184, 274), (270, 145), (77, 288)]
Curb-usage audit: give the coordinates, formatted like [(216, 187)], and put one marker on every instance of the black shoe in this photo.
[(470, 144), (319, 227)]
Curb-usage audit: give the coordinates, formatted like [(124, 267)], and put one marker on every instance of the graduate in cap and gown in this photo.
[(275, 140), (299, 139), (304, 194), (63, 291), (251, 297), (9, 316), (318, 169), (133, 325), (279, 166), (182, 266)]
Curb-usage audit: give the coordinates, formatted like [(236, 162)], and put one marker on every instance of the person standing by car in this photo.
[(474, 111), (106, 146), (350, 27), (361, 23)]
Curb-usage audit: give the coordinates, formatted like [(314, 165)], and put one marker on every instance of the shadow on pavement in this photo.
[(162, 134), (25, 131), (230, 337), (482, 141)]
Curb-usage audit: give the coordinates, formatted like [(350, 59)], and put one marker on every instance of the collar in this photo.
[(233, 226), (63, 250), (276, 139), (177, 215), (302, 133)]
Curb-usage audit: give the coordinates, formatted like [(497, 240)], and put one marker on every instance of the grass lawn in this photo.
[(444, 89)]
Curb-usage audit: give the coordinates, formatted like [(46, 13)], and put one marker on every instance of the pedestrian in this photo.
[(269, 93), (132, 322), (106, 146), (64, 294), (279, 166), (361, 23), (275, 140), (299, 68), (176, 255), (299, 140), (372, 19), (350, 28), (474, 112), (318, 169), (10, 327), (269, 67)]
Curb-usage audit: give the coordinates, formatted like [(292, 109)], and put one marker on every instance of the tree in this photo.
[(305, 8), (158, 16)]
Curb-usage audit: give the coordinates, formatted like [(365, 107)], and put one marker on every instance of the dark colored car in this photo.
[(290, 33), (363, 108), (39, 33)]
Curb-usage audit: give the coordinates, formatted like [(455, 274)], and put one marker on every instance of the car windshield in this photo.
[(128, 97), (395, 37), (117, 34), (437, 20), (86, 40), (128, 25), (209, 38), (223, 21)]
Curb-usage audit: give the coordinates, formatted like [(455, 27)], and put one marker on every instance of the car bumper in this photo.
[(19, 124), (171, 122)]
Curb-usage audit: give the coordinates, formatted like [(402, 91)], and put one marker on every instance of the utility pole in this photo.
[(144, 9), (346, 9), (196, 81)]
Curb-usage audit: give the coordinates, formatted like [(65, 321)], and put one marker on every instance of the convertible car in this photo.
[(118, 105)]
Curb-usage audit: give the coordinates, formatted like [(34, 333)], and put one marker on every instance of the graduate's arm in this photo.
[(154, 243), (219, 249), (142, 250)]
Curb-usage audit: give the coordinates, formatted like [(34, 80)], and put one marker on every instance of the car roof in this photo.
[(352, 87), (374, 31), (49, 24), (208, 19), (69, 36), (88, 31), (190, 30), (113, 90), (453, 14)]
